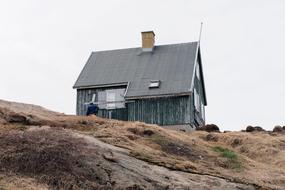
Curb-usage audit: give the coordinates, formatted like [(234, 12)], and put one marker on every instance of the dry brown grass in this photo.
[(261, 155)]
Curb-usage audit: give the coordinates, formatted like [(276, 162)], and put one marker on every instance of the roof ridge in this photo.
[(161, 45)]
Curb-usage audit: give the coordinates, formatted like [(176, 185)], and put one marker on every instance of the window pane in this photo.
[(197, 100), (203, 111), (115, 99), (198, 70), (111, 97), (102, 99), (120, 98)]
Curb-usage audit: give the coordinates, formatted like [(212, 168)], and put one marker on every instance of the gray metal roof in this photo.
[(172, 64)]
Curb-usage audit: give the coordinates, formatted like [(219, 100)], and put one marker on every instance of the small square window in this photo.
[(154, 84)]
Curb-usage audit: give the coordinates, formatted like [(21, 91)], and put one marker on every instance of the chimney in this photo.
[(148, 41)]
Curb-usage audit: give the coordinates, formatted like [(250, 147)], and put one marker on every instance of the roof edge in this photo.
[(138, 47), (101, 85), (158, 96)]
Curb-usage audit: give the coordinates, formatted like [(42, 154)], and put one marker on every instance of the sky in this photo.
[(45, 44)]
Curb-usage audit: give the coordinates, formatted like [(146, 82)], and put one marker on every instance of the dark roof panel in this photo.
[(172, 64)]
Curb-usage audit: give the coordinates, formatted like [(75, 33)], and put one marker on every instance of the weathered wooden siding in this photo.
[(161, 111), (120, 114), (192, 110), (83, 96), (200, 118)]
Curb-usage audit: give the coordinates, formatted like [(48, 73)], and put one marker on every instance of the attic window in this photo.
[(154, 84)]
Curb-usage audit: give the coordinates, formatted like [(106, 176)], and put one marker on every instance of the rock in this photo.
[(134, 187), (236, 142), (148, 132), (16, 118), (141, 132), (211, 137), (257, 128), (134, 130), (209, 128), (277, 129), (249, 129), (110, 157), (132, 137)]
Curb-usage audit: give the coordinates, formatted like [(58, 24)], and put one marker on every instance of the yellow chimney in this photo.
[(148, 40)]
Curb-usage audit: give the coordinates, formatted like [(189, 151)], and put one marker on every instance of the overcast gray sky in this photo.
[(45, 44)]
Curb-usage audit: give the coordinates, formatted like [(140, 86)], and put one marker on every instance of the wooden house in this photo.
[(156, 84)]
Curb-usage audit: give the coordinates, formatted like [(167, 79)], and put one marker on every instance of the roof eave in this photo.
[(101, 85), (158, 96)]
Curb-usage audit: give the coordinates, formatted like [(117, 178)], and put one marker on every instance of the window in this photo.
[(198, 70), (111, 99), (102, 99), (154, 84), (197, 101)]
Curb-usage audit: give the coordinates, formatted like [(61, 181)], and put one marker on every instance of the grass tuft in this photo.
[(225, 152), (232, 158)]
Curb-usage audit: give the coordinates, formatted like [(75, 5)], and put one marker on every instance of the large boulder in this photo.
[(209, 128)]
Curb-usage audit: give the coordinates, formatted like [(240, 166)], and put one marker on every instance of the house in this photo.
[(161, 85)]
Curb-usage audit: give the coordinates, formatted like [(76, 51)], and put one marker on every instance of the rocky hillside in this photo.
[(41, 149)]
